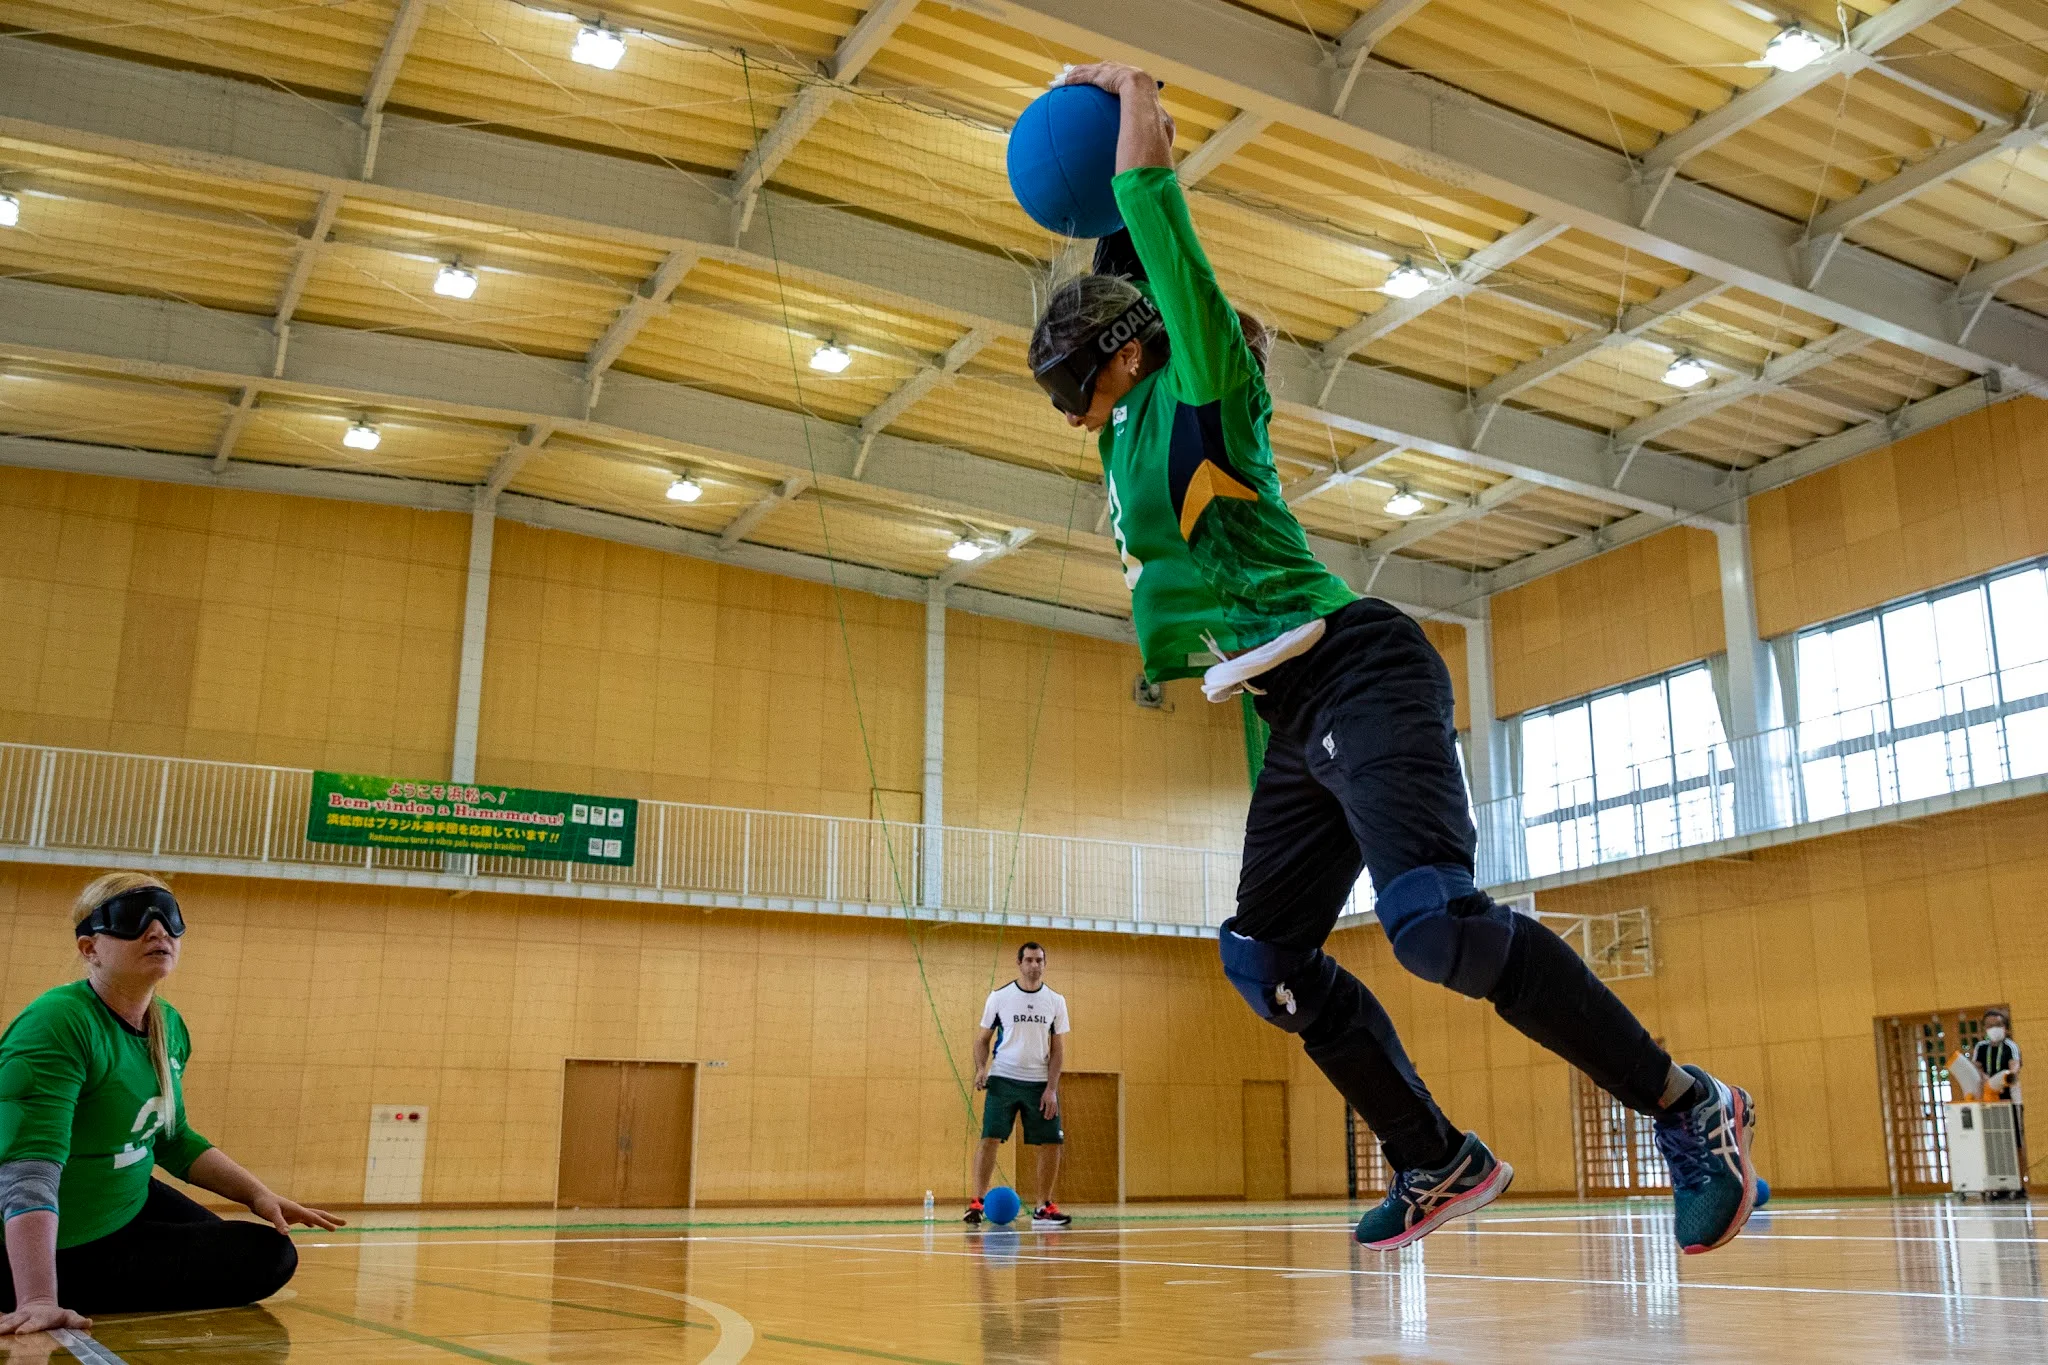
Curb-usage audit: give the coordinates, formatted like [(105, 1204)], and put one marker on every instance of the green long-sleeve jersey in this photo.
[(77, 1088), (1208, 544)]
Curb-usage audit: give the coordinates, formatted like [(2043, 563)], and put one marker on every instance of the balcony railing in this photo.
[(80, 806), (1943, 742)]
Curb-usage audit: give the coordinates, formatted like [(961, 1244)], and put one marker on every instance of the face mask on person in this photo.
[(1996, 1033)]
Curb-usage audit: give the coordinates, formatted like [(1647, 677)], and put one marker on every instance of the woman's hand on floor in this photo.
[(41, 1317), (282, 1213)]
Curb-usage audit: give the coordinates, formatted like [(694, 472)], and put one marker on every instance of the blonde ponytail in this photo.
[(157, 1024)]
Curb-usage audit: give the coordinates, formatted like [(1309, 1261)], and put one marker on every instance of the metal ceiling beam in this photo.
[(1220, 146), (1634, 323), (916, 388), (1428, 128), (515, 457), (405, 26), (1436, 523), (231, 429), (1464, 279), (742, 526), (647, 303), (240, 130), (1314, 485), (1780, 371), (811, 104), (1992, 276), (296, 481), (162, 339), (1780, 88), (1008, 545), (1884, 195)]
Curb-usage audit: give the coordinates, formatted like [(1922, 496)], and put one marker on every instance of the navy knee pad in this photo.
[(1446, 930), (1286, 987)]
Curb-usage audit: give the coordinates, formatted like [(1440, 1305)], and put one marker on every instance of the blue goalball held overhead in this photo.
[(1062, 157)]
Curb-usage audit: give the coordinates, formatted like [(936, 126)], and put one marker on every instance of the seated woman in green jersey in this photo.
[(1362, 767), (90, 1103)]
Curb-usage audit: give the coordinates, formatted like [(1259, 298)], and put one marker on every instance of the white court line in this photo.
[(735, 1333), (84, 1348)]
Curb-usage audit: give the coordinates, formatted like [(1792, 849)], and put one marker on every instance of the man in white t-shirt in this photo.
[(1026, 1021)]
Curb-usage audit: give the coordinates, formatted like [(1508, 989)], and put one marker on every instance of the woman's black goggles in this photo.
[(1069, 378), (127, 915)]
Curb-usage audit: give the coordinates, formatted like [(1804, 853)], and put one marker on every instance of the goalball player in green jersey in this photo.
[(1362, 768), (91, 1102)]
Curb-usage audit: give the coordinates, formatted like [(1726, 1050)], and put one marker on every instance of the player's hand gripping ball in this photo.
[(1001, 1206), (1062, 157)]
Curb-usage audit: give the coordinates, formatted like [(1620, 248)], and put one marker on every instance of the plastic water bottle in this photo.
[(927, 1206)]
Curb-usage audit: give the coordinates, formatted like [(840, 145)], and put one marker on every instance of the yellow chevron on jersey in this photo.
[(1209, 482)]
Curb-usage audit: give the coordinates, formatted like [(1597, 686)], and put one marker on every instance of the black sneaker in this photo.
[(1421, 1200), (1048, 1215), (1713, 1182), (973, 1215)]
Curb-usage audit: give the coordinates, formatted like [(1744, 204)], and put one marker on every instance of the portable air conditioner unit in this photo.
[(1983, 1149)]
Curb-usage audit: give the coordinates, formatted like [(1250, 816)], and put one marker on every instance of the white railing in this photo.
[(246, 817), (1930, 744)]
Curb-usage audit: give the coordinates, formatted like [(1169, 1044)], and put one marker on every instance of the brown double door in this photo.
[(1091, 1166), (626, 1129), (1265, 1140)]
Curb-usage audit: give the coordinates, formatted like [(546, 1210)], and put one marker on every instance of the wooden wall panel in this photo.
[(162, 619), (825, 1076), (1649, 606), (1961, 499)]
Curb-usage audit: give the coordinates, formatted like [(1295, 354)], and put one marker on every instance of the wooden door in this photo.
[(592, 1166), (1265, 1140), (626, 1134), (659, 1107), (1091, 1170)]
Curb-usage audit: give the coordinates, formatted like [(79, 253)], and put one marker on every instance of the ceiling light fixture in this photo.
[(832, 358), (1406, 282), (966, 551), (598, 46), (362, 436), (455, 281), (1794, 49), (10, 210), (685, 489), (1686, 371), (1403, 503)]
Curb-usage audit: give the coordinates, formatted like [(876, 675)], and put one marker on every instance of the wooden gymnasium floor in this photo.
[(1851, 1281)]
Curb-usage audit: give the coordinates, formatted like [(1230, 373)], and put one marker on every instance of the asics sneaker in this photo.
[(1048, 1215), (1422, 1200), (1713, 1182), (973, 1215)]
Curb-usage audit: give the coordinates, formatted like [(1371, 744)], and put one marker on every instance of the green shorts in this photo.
[(1006, 1100)]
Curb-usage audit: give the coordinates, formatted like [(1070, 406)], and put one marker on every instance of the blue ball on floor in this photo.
[(1061, 158), (1001, 1205), (1763, 1193)]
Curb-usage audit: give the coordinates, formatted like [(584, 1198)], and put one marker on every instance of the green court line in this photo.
[(402, 1334), (685, 1322)]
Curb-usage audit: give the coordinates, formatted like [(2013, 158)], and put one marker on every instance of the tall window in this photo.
[(1637, 770), (1931, 695)]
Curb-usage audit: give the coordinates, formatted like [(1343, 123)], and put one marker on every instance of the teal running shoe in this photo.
[(1421, 1201), (1713, 1181)]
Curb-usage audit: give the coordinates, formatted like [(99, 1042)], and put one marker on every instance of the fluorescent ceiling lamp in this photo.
[(362, 436), (1794, 49), (598, 46), (685, 489), (832, 358), (966, 551), (10, 210), (1406, 282), (1686, 372), (1403, 504), (455, 282)]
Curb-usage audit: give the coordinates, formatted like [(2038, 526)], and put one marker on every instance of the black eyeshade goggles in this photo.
[(1069, 378), (127, 916)]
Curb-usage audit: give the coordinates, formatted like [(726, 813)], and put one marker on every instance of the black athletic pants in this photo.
[(1362, 771), (173, 1256)]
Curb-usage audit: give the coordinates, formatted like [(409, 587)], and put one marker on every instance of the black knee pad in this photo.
[(1446, 930), (1286, 987)]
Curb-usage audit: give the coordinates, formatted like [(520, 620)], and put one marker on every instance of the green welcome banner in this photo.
[(448, 817)]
